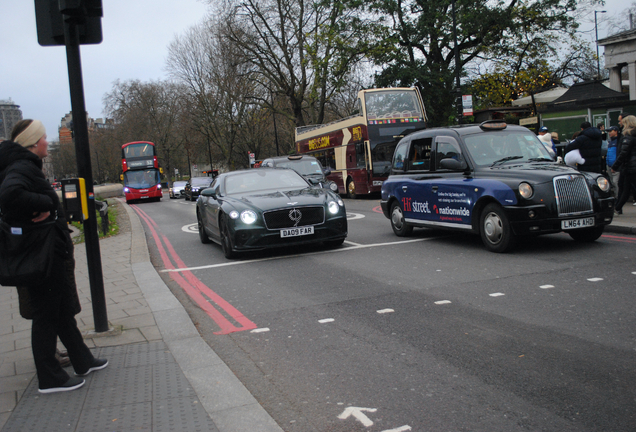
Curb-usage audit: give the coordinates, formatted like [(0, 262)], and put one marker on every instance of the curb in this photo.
[(224, 397)]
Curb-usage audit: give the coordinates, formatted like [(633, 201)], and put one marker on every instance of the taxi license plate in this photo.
[(295, 232), (577, 223)]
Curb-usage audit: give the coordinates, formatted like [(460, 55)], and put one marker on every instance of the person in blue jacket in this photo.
[(612, 152)]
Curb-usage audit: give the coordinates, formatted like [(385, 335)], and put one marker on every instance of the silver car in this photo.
[(178, 189)]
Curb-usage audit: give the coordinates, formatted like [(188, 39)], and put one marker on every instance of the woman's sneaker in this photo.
[(72, 384), (95, 366)]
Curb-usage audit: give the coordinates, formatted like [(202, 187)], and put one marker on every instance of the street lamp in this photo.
[(598, 62)]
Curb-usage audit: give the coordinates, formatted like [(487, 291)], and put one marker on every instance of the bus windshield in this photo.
[(393, 104), (142, 179)]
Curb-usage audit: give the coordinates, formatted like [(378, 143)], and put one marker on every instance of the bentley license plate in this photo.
[(295, 232), (577, 223)]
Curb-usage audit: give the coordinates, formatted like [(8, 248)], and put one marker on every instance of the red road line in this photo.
[(224, 304), (195, 288)]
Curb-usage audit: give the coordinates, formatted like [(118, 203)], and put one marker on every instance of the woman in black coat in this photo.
[(26, 197), (626, 162)]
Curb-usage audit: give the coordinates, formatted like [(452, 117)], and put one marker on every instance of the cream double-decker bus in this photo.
[(358, 149)]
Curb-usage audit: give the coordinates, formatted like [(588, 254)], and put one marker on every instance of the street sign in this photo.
[(467, 104)]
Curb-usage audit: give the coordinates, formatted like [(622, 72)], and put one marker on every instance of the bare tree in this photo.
[(302, 50), (148, 112)]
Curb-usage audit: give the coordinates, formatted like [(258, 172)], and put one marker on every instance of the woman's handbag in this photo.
[(26, 253)]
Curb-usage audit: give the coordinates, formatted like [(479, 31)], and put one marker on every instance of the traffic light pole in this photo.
[(84, 169)]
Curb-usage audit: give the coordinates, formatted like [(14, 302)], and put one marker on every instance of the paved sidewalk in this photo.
[(161, 375), (625, 223)]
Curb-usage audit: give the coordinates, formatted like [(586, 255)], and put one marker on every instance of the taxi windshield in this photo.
[(500, 147), (303, 167)]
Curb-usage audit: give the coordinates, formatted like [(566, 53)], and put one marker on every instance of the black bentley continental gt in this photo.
[(268, 208)]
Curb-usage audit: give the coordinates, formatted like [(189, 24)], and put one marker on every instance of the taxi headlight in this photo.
[(333, 207), (525, 190), (603, 184), (248, 217), (333, 187)]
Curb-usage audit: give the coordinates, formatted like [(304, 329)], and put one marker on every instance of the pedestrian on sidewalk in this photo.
[(612, 153), (26, 197), (626, 162)]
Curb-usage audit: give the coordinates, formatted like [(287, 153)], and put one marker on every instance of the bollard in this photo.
[(103, 212)]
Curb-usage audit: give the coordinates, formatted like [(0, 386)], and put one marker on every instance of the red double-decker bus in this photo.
[(358, 149), (141, 171)]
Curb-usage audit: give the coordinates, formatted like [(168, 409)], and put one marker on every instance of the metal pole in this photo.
[(458, 90), (598, 61), (84, 170)]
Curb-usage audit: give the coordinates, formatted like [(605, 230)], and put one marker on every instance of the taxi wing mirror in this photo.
[(327, 171), (452, 164)]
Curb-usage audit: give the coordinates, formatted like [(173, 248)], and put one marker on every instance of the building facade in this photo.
[(10, 114)]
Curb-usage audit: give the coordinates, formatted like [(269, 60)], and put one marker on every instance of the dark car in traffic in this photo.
[(307, 166), (495, 180), (194, 186), (268, 208)]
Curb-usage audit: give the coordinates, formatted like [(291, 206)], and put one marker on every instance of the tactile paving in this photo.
[(138, 358), (117, 386), (170, 382), (118, 418), (182, 414)]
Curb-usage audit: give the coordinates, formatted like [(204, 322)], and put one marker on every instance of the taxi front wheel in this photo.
[(495, 230), (399, 225)]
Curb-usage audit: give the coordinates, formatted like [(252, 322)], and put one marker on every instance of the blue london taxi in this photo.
[(495, 180)]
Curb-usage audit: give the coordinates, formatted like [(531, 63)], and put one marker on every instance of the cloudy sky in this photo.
[(136, 36)]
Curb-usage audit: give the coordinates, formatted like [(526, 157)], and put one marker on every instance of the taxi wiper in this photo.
[(540, 159), (506, 159)]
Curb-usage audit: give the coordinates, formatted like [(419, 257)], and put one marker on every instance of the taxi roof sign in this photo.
[(493, 125)]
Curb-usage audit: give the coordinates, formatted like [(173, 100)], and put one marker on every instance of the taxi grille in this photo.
[(294, 216), (572, 195)]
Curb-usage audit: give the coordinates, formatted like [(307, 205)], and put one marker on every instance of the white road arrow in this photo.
[(357, 413), (400, 429)]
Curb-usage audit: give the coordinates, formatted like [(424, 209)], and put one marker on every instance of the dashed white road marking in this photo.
[(496, 294), (441, 302), (383, 311), (546, 286), (260, 330), (326, 320), (339, 250), (595, 279)]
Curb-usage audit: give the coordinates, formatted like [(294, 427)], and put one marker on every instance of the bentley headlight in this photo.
[(234, 214), (248, 216), (602, 184), (333, 207), (525, 190), (340, 202)]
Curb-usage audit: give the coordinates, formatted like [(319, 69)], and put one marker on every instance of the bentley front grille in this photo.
[(294, 217), (572, 195)]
